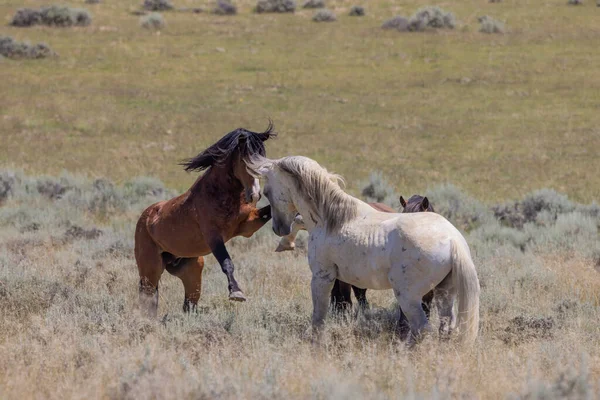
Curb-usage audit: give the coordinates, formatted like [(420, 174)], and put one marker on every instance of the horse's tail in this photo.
[(466, 284)]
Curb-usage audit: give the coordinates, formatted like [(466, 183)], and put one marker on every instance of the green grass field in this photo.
[(498, 115)]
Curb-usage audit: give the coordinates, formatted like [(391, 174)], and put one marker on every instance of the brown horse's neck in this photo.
[(220, 178)]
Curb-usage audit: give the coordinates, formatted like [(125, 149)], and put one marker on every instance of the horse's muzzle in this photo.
[(252, 198), (281, 231)]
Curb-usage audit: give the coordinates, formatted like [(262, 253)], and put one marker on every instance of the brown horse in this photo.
[(176, 234)]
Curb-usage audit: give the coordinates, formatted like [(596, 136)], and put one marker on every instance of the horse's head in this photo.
[(277, 191), (250, 182), (416, 204), (297, 184), (231, 154)]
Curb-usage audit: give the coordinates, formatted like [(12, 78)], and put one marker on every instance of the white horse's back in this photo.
[(367, 249)]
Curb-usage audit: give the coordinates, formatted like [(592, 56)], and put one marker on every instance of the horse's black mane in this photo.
[(248, 143)]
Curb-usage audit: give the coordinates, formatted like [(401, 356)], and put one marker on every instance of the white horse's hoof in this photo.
[(283, 247), (237, 296)]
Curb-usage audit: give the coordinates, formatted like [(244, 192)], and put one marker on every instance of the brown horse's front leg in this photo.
[(222, 256)]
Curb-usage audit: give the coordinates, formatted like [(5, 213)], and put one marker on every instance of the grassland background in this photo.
[(121, 101), (497, 115)]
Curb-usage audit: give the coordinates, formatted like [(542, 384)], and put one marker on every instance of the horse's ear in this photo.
[(265, 168), (425, 204), (261, 165), (402, 202)]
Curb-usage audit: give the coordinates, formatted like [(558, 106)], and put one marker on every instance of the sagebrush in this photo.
[(324, 15), (152, 21), (157, 5), (55, 15), (11, 48), (275, 6), (67, 275)]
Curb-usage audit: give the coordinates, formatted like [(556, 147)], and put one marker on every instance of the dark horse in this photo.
[(177, 233)]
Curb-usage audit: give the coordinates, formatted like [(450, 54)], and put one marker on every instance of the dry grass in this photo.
[(497, 115), (68, 318)]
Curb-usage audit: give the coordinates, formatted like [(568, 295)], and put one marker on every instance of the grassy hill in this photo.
[(499, 115)]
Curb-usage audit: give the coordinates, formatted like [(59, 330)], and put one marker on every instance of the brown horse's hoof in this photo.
[(237, 296), (282, 247)]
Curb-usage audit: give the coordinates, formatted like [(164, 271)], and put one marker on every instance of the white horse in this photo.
[(351, 241)]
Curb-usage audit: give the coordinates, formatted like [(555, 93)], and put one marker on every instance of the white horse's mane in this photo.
[(322, 188)]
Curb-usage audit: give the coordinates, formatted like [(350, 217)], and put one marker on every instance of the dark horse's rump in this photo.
[(176, 234)]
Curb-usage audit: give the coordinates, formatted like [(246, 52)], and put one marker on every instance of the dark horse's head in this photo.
[(416, 203), (232, 153)]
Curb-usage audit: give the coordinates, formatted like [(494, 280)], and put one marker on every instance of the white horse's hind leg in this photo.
[(411, 306), (320, 285), (444, 295)]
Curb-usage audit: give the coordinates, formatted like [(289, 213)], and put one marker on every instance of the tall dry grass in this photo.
[(69, 326)]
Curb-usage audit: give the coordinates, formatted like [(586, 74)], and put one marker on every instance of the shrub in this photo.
[(65, 16), (525, 328), (275, 6), (357, 11), (569, 231), (76, 232), (93, 1), (101, 198), (8, 179), (462, 210), (400, 23), (378, 190), (575, 2), (541, 207), (324, 16), (224, 7), (52, 188), (490, 25), (157, 5), (152, 21), (53, 16), (314, 4), (26, 17), (13, 49), (431, 17), (142, 187), (545, 200), (494, 233)]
